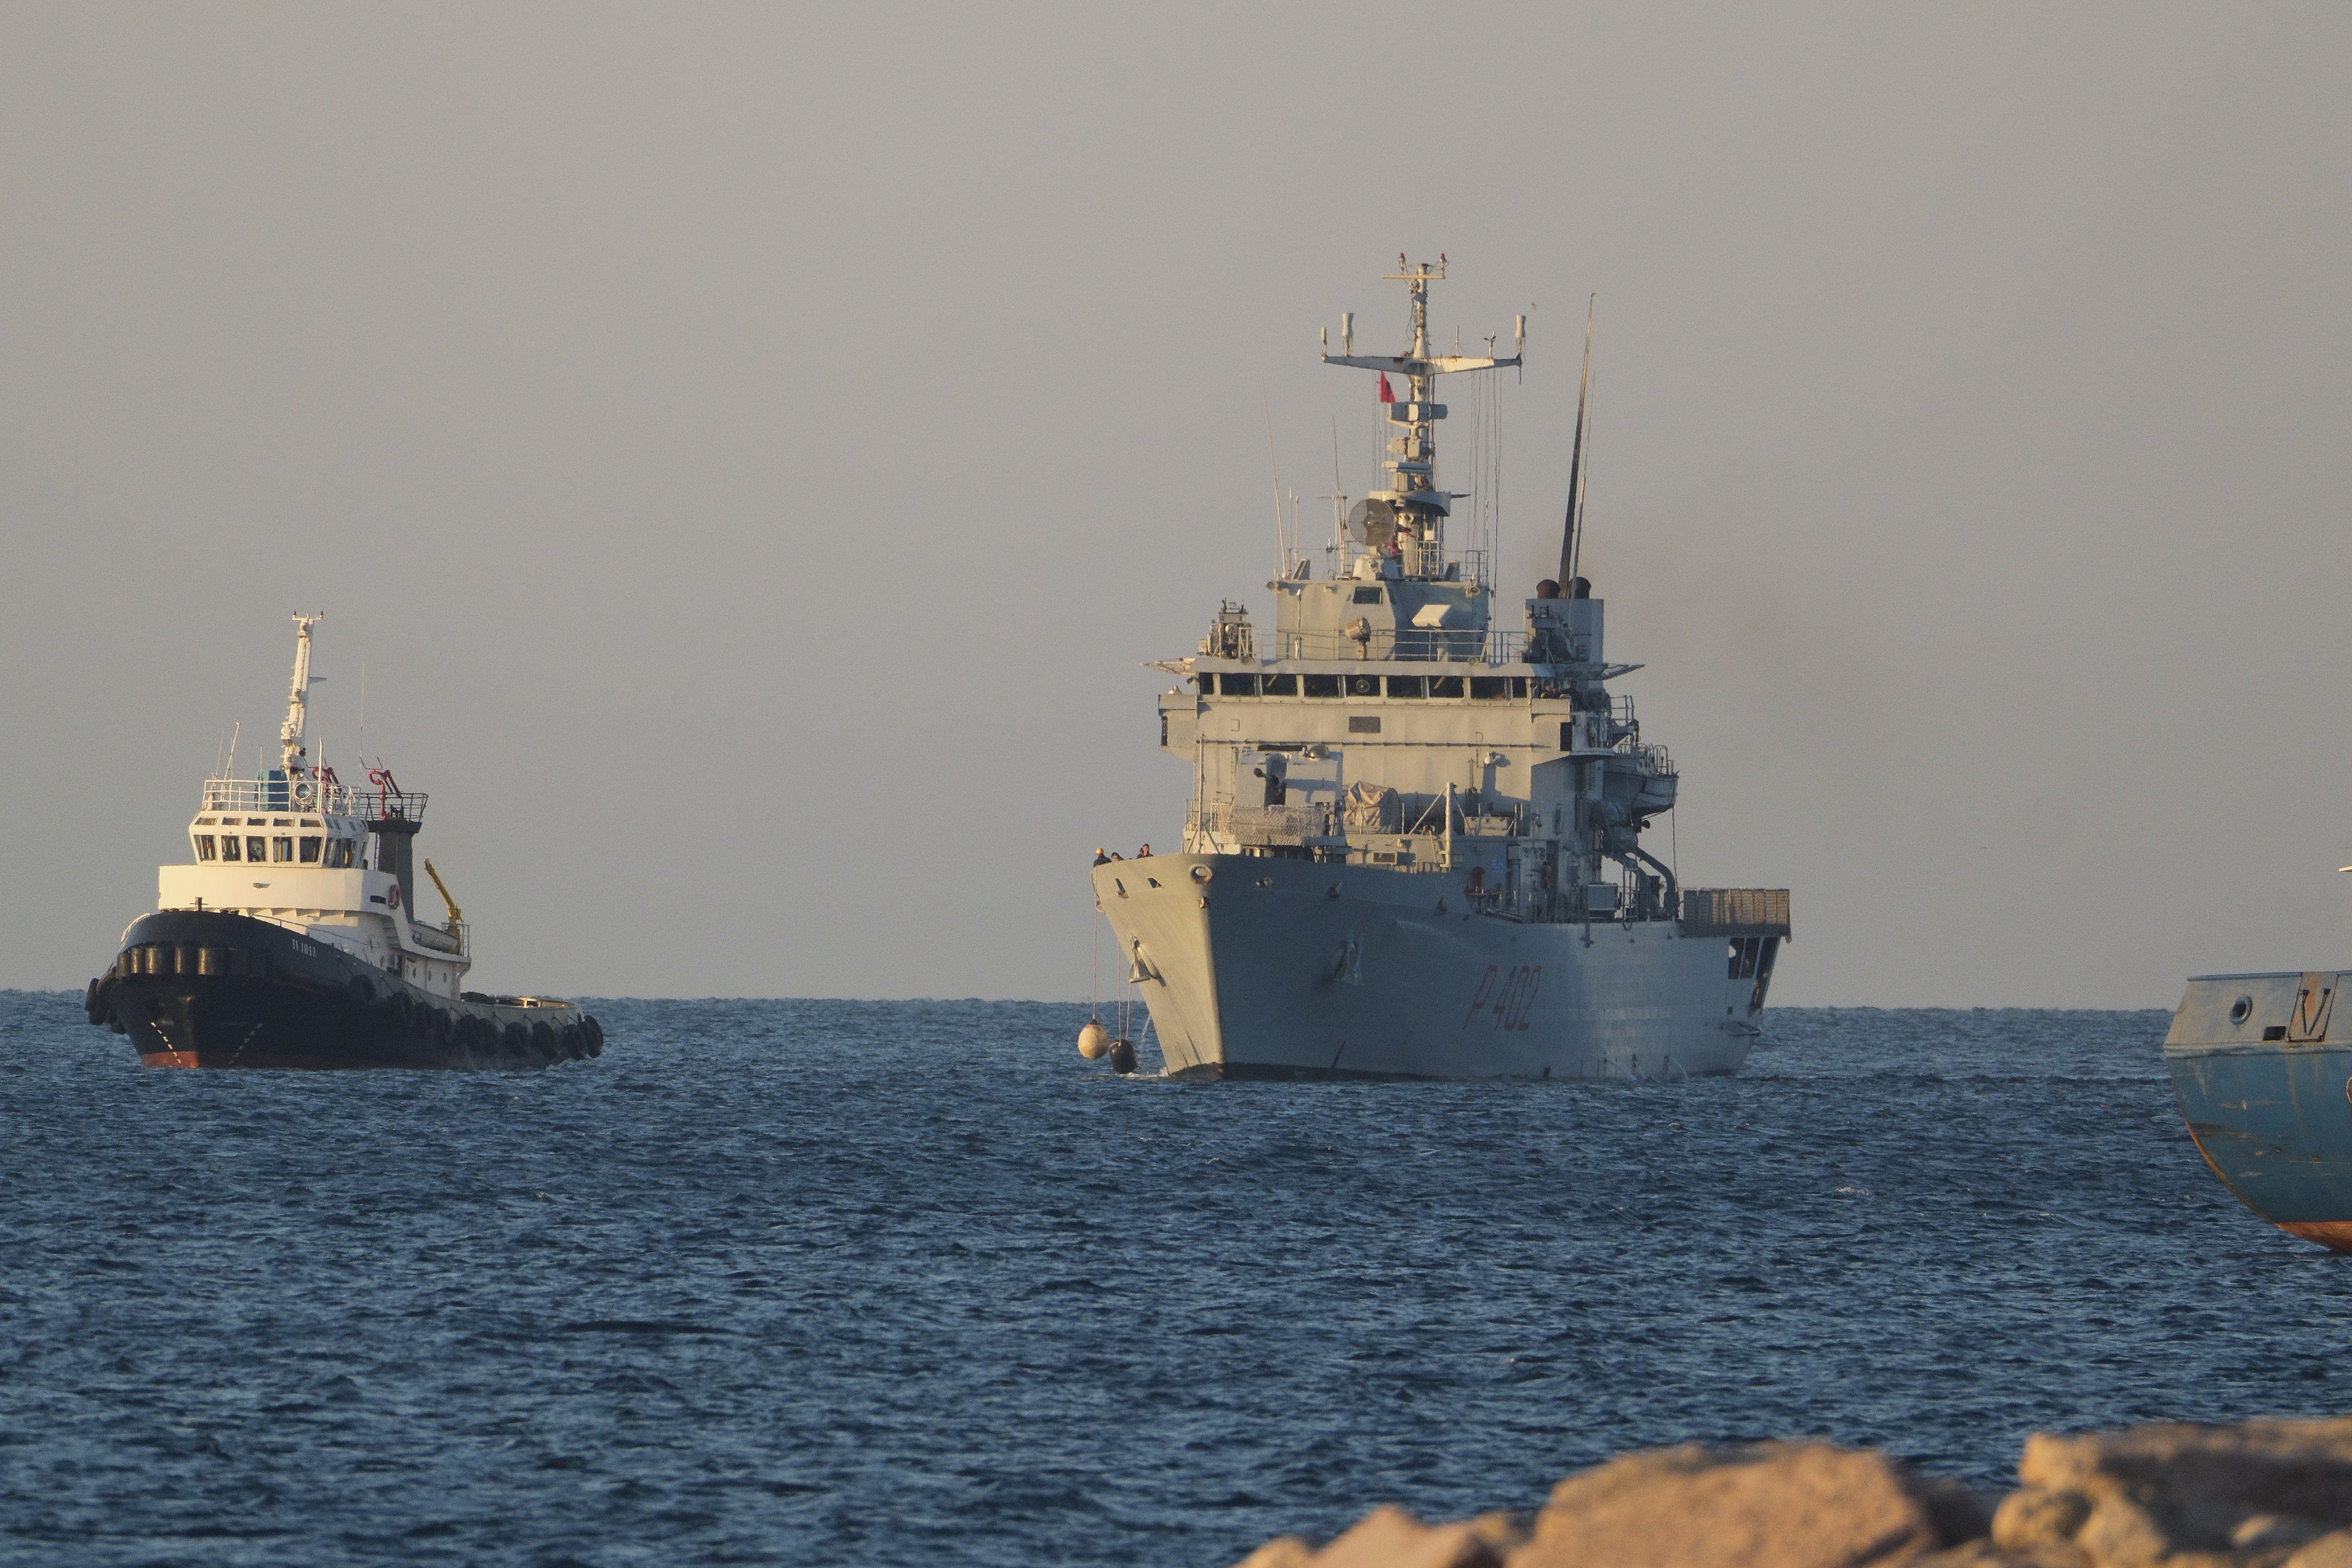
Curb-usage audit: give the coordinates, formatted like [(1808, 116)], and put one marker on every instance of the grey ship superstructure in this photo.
[(1413, 847)]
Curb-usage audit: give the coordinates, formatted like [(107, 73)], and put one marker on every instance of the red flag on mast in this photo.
[(1386, 396)]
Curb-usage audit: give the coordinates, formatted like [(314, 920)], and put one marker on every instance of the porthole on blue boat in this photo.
[(2241, 1009)]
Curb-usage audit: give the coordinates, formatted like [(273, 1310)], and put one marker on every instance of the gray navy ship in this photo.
[(1414, 846)]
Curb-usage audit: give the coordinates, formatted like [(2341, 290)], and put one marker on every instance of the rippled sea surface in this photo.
[(899, 1283)]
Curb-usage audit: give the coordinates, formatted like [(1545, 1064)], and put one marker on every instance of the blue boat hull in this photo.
[(2267, 1095)]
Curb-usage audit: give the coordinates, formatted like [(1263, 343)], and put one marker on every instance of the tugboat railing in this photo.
[(310, 795)]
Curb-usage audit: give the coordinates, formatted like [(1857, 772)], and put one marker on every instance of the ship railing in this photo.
[(1258, 826), (1655, 760), (1432, 644), (307, 794)]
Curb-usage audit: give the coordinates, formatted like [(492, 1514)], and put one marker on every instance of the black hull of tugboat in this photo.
[(205, 989)]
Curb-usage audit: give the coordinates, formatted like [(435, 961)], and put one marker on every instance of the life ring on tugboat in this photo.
[(391, 899)]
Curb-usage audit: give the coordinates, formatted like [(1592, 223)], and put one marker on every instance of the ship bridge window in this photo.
[(256, 821), (339, 852), (1322, 685), (205, 846), (256, 848), (1407, 686), (229, 849), (310, 850), (1497, 688), (1445, 686), (1237, 685), (1368, 596), (1363, 685), (281, 850), (1282, 686), (206, 821)]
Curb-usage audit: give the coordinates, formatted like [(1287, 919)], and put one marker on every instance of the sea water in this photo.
[(833, 1282)]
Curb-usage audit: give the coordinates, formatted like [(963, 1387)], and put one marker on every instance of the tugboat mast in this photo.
[(289, 734)]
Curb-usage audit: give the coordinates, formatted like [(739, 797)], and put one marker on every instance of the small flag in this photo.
[(1386, 396)]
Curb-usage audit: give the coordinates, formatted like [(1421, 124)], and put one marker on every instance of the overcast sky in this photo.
[(753, 452)]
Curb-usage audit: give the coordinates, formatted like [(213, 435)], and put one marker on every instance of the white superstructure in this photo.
[(300, 850)]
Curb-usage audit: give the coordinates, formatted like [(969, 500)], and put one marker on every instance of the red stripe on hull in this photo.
[(2334, 1234), (220, 1060)]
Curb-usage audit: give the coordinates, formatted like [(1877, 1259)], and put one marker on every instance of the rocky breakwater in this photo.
[(2265, 1494)]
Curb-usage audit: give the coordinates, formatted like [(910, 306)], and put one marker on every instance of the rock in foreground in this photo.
[(2265, 1494)]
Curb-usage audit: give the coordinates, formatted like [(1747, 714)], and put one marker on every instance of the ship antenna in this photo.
[(1281, 544), (1338, 498), (1567, 539)]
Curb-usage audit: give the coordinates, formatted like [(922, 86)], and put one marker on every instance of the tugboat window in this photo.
[(1407, 686), (1488, 688), (1282, 686), (281, 850), (256, 848), (1238, 684), (1322, 686), (203, 846), (1363, 685), (310, 851), (228, 848), (1368, 596), (1445, 686)]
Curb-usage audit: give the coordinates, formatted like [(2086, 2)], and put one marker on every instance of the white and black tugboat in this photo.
[(1413, 847), (292, 939)]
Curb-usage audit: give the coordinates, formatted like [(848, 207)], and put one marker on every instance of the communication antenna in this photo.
[(235, 731), (1281, 544), (1338, 498), (1569, 540)]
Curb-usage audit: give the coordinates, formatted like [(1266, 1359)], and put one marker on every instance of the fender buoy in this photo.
[(595, 1033), (575, 1042), (543, 1036)]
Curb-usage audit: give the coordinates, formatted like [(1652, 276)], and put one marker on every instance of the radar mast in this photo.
[(1412, 501)]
